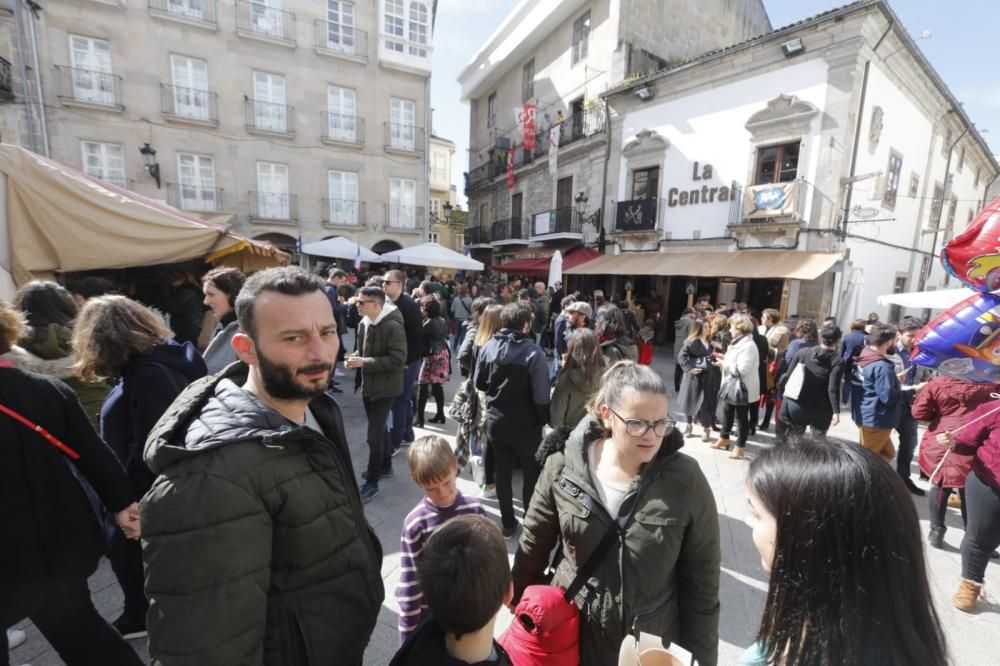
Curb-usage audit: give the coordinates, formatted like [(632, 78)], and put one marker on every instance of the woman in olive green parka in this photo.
[(620, 469)]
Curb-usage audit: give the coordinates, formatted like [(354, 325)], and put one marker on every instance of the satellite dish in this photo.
[(865, 213)]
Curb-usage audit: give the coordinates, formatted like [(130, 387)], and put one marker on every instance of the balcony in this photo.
[(189, 105), (197, 13), (557, 223), (640, 216), (274, 207), (512, 231), (269, 24), (269, 118), (343, 213), (405, 55), (404, 139), (580, 125), (341, 130), (404, 218), (6, 81), (196, 199), (341, 41), (89, 88), (477, 237), (768, 215)]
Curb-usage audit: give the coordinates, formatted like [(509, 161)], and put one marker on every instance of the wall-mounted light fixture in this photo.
[(581, 203), (150, 163), (644, 93), (793, 47), (447, 211)]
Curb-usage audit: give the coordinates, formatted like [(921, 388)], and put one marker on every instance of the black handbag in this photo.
[(733, 390)]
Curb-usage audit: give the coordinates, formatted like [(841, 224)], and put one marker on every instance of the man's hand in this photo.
[(947, 439), (128, 521)]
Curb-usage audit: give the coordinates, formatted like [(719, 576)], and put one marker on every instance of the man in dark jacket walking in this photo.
[(880, 400), (913, 379), (511, 371), (254, 536), (402, 406), (854, 342)]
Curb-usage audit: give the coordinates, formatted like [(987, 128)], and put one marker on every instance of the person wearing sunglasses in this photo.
[(620, 473)]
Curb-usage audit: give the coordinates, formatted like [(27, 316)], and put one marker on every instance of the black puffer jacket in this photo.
[(435, 335), (255, 543)]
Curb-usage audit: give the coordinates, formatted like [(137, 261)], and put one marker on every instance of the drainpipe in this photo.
[(601, 230), (38, 74), (26, 92)]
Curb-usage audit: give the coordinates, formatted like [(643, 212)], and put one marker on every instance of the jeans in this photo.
[(504, 453), (982, 533), (65, 614), (402, 407), (126, 562), (794, 418), (907, 430), (456, 340), (379, 451), (937, 504), (742, 415)]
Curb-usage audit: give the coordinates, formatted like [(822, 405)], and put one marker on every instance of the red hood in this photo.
[(961, 390), (553, 636), (869, 356)]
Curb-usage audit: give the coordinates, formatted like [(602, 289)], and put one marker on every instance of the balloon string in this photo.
[(995, 396)]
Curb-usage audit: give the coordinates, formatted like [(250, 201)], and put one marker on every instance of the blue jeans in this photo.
[(402, 408), (907, 430)]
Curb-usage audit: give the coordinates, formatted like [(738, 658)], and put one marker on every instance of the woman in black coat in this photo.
[(435, 370), (55, 540)]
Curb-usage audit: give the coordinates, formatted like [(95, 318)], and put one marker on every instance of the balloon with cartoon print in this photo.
[(964, 341), (974, 255)]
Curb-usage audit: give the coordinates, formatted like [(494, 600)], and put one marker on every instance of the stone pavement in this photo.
[(971, 638)]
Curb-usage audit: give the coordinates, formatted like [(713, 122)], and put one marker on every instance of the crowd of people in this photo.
[(224, 450)]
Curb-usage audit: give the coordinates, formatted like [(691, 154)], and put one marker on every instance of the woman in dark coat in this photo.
[(719, 340), (817, 404), (435, 370), (55, 539), (119, 339), (695, 359)]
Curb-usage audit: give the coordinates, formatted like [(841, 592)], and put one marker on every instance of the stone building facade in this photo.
[(293, 119), (444, 226)]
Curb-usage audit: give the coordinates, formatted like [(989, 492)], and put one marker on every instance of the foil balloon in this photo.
[(964, 341), (974, 256)]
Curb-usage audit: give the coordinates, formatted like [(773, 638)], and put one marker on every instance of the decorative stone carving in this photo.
[(645, 142), (784, 115), (875, 129)]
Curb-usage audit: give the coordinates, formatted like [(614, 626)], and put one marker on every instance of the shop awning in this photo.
[(540, 265), (792, 264)]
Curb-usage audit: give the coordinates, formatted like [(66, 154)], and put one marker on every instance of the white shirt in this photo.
[(612, 494)]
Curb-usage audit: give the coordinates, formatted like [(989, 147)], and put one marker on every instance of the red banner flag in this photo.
[(510, 169), (528, 126)]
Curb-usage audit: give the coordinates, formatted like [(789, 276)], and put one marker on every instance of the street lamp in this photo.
[(150, 163), (447, 212), (581, 203)]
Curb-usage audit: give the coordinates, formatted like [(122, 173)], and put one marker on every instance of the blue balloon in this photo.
[(964, 341)]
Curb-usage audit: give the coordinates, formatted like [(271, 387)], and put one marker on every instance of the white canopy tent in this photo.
[(339, 247), (434, 255), (940, 299), (555, 268)]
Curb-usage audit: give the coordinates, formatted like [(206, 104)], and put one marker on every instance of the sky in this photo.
[(959, 49)]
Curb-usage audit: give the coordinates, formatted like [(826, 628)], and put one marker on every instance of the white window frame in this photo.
[(459, 241), (419, 29), (402, 123), (402, 203), (190, 8), (491, 110), (340, 25), (342, 114), (272, 191), (581, 38), (270, 110), (267, 17), (189, 77), (395, 25), (196, 182), (110, 161), (91, 72), (342, 188)]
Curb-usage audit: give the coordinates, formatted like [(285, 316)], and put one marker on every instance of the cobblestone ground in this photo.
[(971, 638)]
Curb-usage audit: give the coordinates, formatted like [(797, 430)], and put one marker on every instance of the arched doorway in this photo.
[(283, 242), (384, 246)]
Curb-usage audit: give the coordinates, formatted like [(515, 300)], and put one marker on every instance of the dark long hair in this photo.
[(848, 581), (45, 303)]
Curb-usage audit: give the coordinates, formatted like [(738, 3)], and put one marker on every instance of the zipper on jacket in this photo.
[(641, 616)]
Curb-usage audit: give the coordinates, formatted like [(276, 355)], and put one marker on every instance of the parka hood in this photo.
[(869, 356), (512, 346), (60, 367), (182, 358)]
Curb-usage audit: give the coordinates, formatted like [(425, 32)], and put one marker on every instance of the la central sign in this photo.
[(705, 194)]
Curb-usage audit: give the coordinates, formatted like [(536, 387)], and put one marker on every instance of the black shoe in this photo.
[(912, 487), (924, 477), (936, 537), (764, 426), (419, 424), (128, 629), (437, 419), (509, 532), (384, 474)]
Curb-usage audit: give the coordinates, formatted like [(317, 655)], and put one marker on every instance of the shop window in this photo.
[(646, 183), (892, 172), (777, 164)]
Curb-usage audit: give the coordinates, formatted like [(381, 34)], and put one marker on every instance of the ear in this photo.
[(509, 597), (245, 349)]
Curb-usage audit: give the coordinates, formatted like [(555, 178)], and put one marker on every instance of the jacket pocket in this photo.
[(660, 621)]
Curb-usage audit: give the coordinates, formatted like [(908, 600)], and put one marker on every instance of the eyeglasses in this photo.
[(361, 302), (638, 427), (391, 282)]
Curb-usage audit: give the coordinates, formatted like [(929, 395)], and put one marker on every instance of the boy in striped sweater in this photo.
[(434, 467)]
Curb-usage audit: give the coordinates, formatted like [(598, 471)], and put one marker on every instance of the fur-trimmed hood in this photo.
[(22, 359)]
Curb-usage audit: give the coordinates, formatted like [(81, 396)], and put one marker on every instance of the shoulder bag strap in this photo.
[(583, 573), (42, 432)]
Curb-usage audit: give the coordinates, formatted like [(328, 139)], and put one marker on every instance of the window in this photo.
[(432, 236), (946, 143), (402, 203), (892, 172), (440, 173), (777, 164), (272, 191), (898, 287), (460, 242), (436, 209), (402, 118), (936, 202), (197, 181), (646, 183), (343, 197), (528, 80), (266, 17), (914, 184), (105, 161), (483, 214), (190, 79), (190, 8), (961, 159), (395, 22), (269, 102), (491, 110), (418, 29), (581, 34), (340, 25), (90, 60), (949, 226), (342, 122)]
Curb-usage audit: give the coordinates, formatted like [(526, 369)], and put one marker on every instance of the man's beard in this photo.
[(280, 383)]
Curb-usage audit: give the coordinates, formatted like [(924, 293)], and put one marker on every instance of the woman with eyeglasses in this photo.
[(620, 471)]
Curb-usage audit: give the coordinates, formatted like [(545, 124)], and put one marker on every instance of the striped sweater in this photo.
[(418, 527)]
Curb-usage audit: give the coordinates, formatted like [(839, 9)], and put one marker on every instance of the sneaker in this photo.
[(15, 637), (369, 491), (129, 629), (913, 488), (488, 493), (966, 595)]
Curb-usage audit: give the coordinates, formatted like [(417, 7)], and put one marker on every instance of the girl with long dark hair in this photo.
[(577, 380), (435, 370), (837, 531)]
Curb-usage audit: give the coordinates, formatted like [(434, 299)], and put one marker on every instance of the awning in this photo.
[(540, 265), (791, 264), (941, 299)]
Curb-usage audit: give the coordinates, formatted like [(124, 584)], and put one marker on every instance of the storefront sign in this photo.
[(542, 223), (637, 215), (706, 194), (773, 200)]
